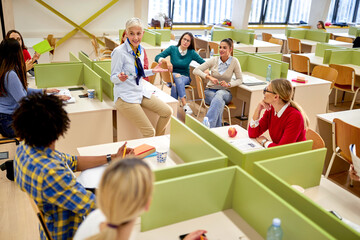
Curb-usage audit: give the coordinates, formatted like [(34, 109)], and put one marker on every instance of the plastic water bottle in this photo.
[(206, 122), (212, 52), (275, 232), (268, 73)]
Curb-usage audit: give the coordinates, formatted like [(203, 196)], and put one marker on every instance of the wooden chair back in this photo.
[(152, 78), (266, 36), (294, 45), (41, 218), (166, 77), (276, 41), (344, 39), (346, 75), (300, 63), (318, 142), (215, 46), (172, 36), (346, 134), (326, 73), (52, 42), (200, 88)]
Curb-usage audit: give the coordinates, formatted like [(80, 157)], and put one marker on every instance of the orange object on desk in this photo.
[(300, 79), (143, 150)]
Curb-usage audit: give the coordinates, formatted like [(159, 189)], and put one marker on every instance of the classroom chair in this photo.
[(345, 81), (200, 90), (276, 41), (343, 134), (152, 78), (344, 39), (300, 63), (172, 36), (294, 45), (167, 77), (100, 54), (40, 216), (214, 46), (266, 36), (318, 142), (7, 149)]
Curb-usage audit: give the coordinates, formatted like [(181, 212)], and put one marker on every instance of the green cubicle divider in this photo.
[(237, 157), (342, 56), (121, 31), (243, 60), (259, 65), (355, 31), (220, 34), (296, 33), (67, 74), (272, 55), (104, 71), (196, 153), (151, 37), (356, 57), (165, 34), (321, 47), (243, 37), (85, 59), (179, 199), (73, 58), (238, 35), (302, 169), (314, 35)]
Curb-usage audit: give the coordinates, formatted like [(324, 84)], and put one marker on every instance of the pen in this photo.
[(124, 151), (201, 237)]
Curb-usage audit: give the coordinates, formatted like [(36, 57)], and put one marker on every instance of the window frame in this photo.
[(336, 8)]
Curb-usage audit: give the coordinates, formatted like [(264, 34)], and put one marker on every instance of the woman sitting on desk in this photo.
[(13, 83), (217, 92), (284, 118), (180, 59), (127, 74), (124, 193)]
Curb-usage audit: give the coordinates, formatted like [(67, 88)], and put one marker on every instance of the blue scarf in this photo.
[(138, 65)]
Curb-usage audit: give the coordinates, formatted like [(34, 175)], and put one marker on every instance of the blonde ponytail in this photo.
[(124, 191), (284, 89)]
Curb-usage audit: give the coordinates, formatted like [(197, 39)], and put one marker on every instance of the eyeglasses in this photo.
[(265, 91), (186, 40)]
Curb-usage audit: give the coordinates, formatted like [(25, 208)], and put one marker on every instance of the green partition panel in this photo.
[(59, 75), (93, 81), (243, 37), (355, 31), (121, 31), (259, 65), (237, 157), (274, 55), (85, 59), (280, 183), (103, 69), (316, 35), (297, 33), (73, 58), (287, 30), (225, 189), (243, 59), (165, 34), (321, 47), (355, 58), (218, 35), (340, 57), (151, 37), (284, 66)]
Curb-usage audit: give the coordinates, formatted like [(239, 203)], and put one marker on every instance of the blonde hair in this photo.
[(124, 191), (284, 89), (133, 22)]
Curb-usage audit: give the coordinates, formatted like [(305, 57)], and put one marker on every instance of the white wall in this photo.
[(318, 11)]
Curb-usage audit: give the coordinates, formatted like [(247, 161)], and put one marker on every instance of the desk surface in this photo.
[(145, 45), (332, 197), (350, 116), (335, 34), (313, 43)]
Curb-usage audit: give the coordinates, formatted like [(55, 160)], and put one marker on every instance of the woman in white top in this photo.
[(127, 74), (217, 92), (124, 192)]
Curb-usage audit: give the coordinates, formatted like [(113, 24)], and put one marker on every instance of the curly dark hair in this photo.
[(40, 120)]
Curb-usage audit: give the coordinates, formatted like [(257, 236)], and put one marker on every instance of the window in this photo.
[(279, 11), (344, 11), (192, 11)]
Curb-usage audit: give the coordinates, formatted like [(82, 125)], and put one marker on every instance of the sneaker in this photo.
[(187, 109)]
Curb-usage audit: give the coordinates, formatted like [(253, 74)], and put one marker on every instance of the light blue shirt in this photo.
[(223, 66), (15, 92), (122, 60)]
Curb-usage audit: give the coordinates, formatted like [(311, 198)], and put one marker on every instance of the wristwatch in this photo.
[(263, 142), (108, 158)]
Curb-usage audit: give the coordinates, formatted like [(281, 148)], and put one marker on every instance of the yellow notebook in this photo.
[(143, 150)]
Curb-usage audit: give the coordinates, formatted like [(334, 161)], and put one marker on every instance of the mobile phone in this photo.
[(76, 89), (184, 235), (83, 96)]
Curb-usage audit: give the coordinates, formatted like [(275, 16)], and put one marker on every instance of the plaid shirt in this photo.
[(43, 174)]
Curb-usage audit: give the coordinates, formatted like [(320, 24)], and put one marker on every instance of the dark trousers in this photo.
[(5, 125)]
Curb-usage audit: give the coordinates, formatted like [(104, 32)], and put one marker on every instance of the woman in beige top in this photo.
[(217, 92)]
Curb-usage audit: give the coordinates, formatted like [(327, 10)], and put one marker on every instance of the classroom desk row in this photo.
[(226, 224)]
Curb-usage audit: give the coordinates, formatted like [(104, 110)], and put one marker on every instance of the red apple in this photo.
[(232, 132)]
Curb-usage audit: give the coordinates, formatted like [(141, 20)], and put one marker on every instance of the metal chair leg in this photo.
[(330, 165)]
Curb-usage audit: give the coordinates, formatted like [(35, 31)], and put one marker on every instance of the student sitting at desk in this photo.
[(127, 75), (45, 174), (124, 193), (13, 83), (179, 64), (284, 118), (320, 25), (217, 92), (29, 61)]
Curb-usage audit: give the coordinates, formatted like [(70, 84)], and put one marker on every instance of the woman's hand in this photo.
[(224, 84), (169, 65), (51, 90), (35, 57), (122, 76), (213, 80), (29, 64), (158, 69), (263, 105), (63, 97), (260, 140), (196, 235), (120, 152)]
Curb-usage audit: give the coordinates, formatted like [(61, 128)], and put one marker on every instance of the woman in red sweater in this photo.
[(284, 118)]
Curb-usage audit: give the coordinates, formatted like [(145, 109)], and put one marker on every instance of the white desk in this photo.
[(126, 130), (332, 197), (203, 42), (343, 35), (324, 127), (262, 46)]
